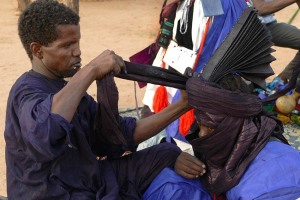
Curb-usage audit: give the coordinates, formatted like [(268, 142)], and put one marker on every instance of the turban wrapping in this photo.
[(241, 130), (205, 97)]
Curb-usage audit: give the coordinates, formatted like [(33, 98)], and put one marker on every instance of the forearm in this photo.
[(152, 125), (265, 8), (66, 101)]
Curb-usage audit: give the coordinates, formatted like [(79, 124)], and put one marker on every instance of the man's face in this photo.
[(207, 122), (62, 56)]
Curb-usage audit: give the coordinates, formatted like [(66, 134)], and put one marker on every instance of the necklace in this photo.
[(185, 17)]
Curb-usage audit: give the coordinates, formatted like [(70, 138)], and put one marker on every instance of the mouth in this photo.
[(76, 65), (73, 69)]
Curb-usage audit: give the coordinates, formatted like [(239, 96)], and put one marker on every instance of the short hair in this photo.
[(235, 82), (38, 22)]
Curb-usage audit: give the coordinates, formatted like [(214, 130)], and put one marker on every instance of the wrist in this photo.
[(183, 104), (95, 71)]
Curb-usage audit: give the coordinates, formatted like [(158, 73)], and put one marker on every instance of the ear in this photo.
[(36, 50)]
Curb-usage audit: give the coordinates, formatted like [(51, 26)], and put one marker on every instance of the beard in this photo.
[(70, 73), (65, 74)]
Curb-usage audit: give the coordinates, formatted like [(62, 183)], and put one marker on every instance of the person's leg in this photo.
[(136, 171), (297, 89), (285, 35), (287, 72)]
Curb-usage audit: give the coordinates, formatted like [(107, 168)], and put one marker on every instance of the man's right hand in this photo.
[(189, 166), (107, 62)]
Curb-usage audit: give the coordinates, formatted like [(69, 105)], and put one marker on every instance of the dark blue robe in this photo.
[(49, 158)]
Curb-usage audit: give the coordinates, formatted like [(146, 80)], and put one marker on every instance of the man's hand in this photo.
[(184, 99), (107, 62), (189, 166)]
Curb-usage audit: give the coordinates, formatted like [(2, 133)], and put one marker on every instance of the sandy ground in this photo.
[(125, 26)]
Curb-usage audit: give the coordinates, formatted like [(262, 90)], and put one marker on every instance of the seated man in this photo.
[(235, 136), (242, 146), (52, 144)]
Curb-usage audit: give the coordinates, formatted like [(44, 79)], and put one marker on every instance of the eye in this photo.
[(68, 45), (210, 129), (207, 129)]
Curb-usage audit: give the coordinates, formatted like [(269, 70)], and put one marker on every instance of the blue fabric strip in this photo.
[(212, 7)]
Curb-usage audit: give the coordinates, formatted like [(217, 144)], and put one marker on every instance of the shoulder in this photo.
[(32, 85), (28, 79)]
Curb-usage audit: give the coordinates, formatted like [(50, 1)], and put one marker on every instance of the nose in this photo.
[(202, 132), (76, 50)]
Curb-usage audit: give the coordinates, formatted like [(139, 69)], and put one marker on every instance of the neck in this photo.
[(41, 68)]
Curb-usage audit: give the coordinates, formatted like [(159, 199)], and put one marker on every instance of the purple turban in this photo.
[(241, 130), (207, 97)]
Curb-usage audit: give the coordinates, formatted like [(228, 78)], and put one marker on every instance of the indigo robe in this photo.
[(49, 158)]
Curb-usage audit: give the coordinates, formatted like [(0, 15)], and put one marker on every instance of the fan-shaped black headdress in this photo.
[(245, 51)]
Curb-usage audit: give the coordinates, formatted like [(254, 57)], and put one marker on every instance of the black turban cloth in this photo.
[(154, 75), (108, 139), (241, 130)]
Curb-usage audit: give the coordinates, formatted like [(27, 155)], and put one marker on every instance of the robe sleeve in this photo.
[(45, 135)]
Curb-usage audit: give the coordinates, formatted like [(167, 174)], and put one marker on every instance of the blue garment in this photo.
[(170, 186), (220, 28), (212, 8), (273, 174)]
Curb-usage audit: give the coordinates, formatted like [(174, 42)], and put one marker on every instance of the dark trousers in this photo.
[(285, 35), (136, 171)]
